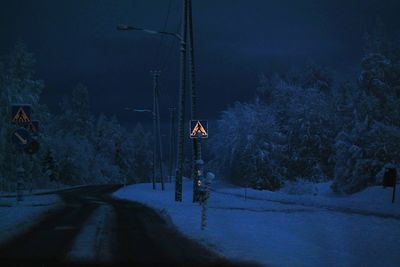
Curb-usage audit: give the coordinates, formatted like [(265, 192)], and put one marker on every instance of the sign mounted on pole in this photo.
[(33, 147), (198, 129), (21, 137), (21, 114), (33, 127)]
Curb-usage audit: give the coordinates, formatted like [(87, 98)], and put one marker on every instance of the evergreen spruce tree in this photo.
[(49, 166), (80, 113)]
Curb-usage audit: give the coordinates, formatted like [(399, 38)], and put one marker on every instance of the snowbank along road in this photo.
[(94, 228)]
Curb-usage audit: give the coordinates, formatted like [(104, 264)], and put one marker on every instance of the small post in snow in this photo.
[(204, 193), (245, 190), (390, 180), (20, 178)]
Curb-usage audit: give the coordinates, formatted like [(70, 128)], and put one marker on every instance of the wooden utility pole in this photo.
[(187, 38), (154, 132), (172, 143), (181, 107), (182, 95), (160, 153), (196, 145), (157, 149)]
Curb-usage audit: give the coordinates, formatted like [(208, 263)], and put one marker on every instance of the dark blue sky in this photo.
[(76, 41)]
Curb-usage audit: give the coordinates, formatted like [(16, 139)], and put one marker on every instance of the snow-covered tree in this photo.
[(363, 153), (76, 148), (80, 113), (110, 140), (141, 163), (17, 86), (49, 166), (317, 77), (306, 116), (248, 146), (372, 142)]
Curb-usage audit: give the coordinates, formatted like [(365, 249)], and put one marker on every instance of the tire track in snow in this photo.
[(95, 240)]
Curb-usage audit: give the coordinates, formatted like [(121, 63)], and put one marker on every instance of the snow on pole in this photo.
[(203, 214), (204, 186)]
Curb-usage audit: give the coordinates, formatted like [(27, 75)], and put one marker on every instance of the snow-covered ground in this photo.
[(18, 217), (374, 200), (316, 228)]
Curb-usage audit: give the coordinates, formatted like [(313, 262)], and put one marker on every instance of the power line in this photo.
[(168, 52), (159, 46), (171, 42)]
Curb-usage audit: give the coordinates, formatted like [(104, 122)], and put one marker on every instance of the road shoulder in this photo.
[(18, 218)]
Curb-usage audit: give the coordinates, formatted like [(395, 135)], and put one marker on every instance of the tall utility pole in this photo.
[(172, 143), (181, 107), (183, 38), (187, 39), (196, 149), (157, 149), (154, 128), (160, 152)]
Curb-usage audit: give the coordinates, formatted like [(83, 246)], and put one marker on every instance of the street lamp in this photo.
[(185, 36), (138, 110), (182, 93), (123, 27)]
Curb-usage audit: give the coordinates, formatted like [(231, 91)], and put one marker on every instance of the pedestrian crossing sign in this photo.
[(33, 127), (198, 129), (21, 114)]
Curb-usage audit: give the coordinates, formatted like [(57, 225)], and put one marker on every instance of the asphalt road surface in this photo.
[(94, 229)]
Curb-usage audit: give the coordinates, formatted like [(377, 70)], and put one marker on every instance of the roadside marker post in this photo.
[(390, 180), (204, 192), (20, 179), (33, 128), (198, 130), (24, 141)]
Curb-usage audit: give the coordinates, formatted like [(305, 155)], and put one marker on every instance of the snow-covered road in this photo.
[(283, 234), (93, 228)]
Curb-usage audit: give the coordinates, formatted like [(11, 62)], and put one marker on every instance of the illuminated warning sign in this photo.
[(21, 114), (198, 129), (33, 127)]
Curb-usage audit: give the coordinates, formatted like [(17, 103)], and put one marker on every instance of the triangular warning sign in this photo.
[(199, 131), (21, 116), (31, 128)]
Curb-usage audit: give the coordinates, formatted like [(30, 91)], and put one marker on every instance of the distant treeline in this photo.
[(307, 125), (76, 147)]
